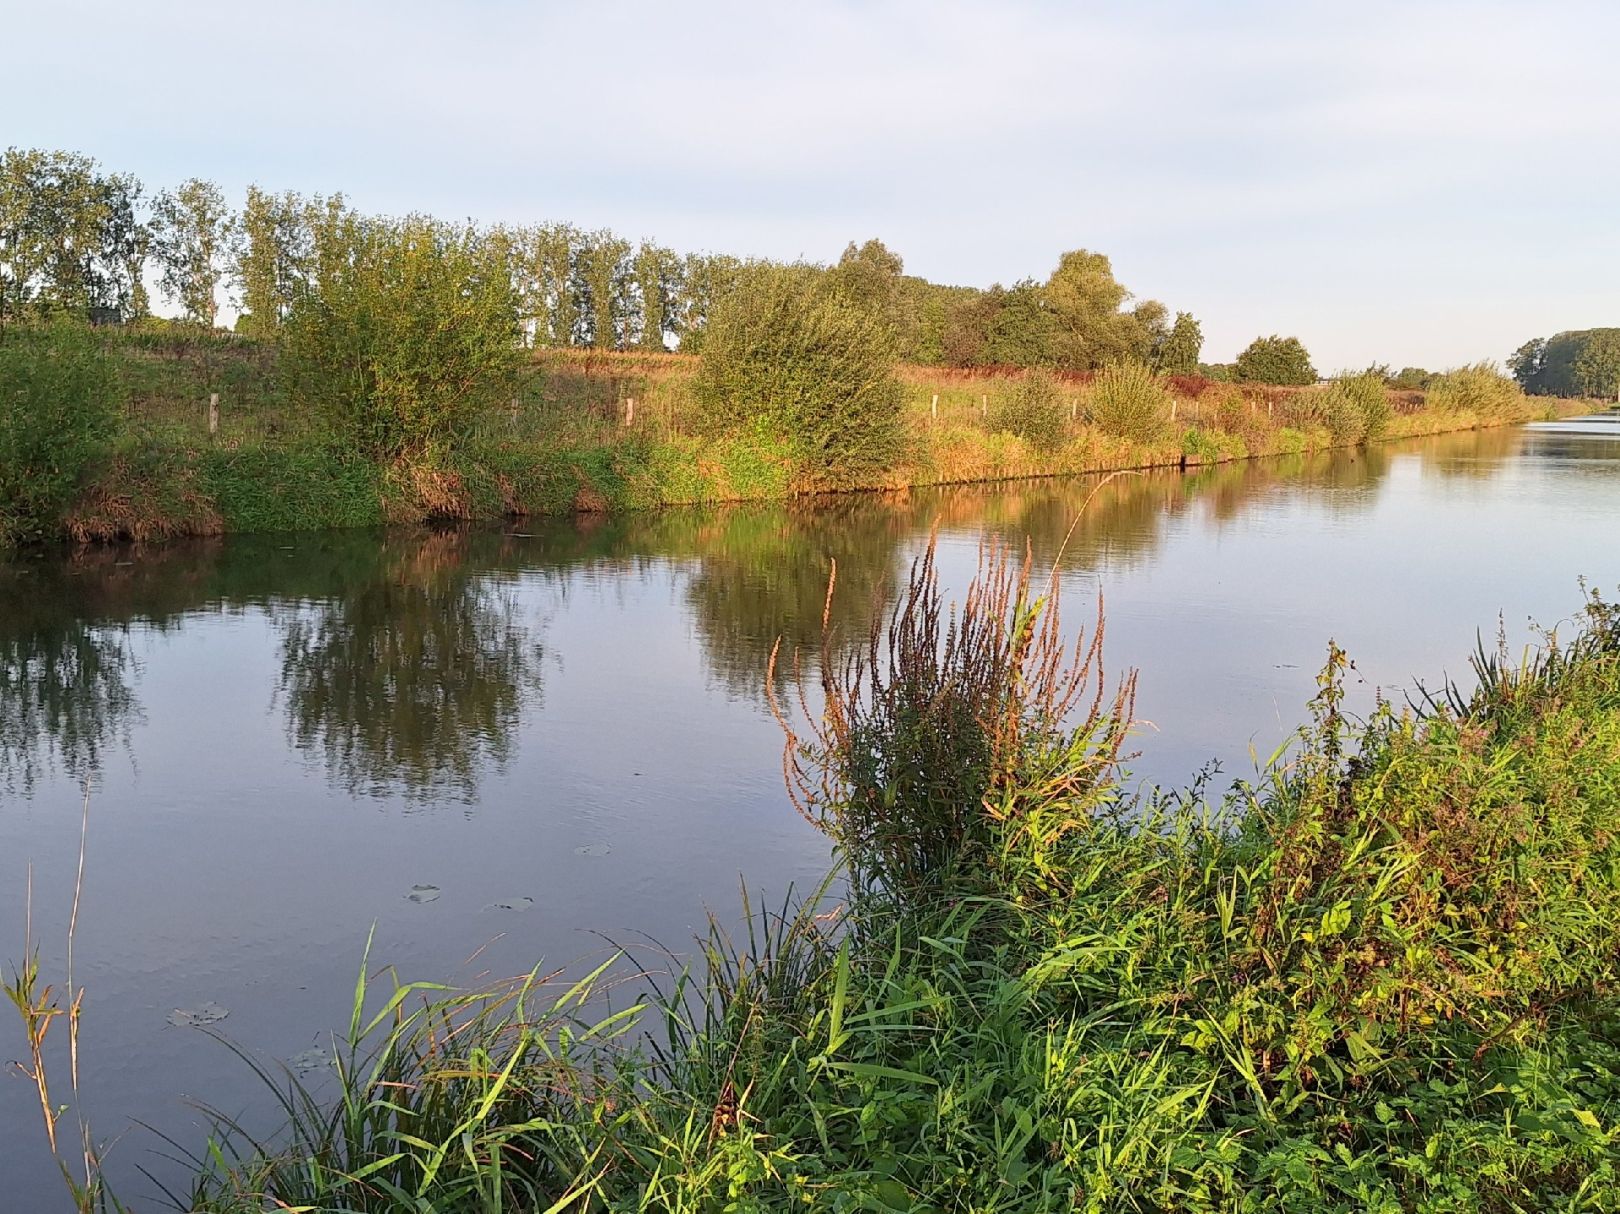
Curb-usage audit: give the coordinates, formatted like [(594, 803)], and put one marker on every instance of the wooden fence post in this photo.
[(1173, 405), (629, 410), (933, 408), (213, 413)]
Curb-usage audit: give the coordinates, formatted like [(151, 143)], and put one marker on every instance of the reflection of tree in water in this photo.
[(1474, 455), (412, 681), (1097, 523), (761, 574), (65, 695)]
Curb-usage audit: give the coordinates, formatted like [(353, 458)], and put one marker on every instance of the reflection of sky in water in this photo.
[(616, 709)]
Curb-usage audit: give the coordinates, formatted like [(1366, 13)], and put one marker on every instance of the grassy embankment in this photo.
[(1381, 979), (565, 444)]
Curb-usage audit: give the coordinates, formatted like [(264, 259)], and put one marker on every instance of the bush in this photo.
[(1127, 400), (402, 342), (785, 357), (58, 411), (1033, 410), (945, 710), (1355, 408), (1480, 389)]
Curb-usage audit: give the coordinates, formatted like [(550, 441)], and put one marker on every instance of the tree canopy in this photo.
[(1275, 360), (1576, 362)]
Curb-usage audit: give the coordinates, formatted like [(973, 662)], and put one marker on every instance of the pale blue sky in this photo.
[(1428, 182)]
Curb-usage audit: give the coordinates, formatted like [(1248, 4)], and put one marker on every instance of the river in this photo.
[(493, 746)]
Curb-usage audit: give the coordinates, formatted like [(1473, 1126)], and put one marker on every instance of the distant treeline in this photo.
[(1577, 362), (79, 240)]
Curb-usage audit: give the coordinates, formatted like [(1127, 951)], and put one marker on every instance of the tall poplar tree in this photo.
[(192, 229), (657, 272), (605, 277)]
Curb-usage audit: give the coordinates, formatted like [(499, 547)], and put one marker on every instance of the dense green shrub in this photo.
[(791, 360), (1480, 389), (1033, 409), (1127, 400), (58, 412), (1354, 408), (1275, 360), (405, 338)]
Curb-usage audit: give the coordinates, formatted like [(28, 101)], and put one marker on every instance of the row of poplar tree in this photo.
[(77, 239)]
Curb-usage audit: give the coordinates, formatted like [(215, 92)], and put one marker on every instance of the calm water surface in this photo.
[(287, 734)]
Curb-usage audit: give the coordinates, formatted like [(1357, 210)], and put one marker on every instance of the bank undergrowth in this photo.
[(597, 431), (1381, 977)]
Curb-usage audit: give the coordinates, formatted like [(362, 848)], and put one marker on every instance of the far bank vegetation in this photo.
[(389, 369)]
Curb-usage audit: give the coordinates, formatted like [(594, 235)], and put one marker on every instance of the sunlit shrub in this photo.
[(1033, 409), (1480, 389), (1354, 408), (786, 358), (1127, 400), (406, 338)]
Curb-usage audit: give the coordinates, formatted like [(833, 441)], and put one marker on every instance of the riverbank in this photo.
[(595, 432), (1382, 979)]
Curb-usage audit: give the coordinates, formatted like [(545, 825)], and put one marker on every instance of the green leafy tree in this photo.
[(931, 311), (543, 266), (604, 278), (1528, 364), (1411, 379), (192, 235), (657, 273), (872, 276), (71, 239), (706, 278), (965, 336), (797, 362), (403, 341), (272, 257), (1275, 360), (1022, 330), (1597, 368), (868, 275), (1092, 331), (1562, 351), (1178, 353)]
